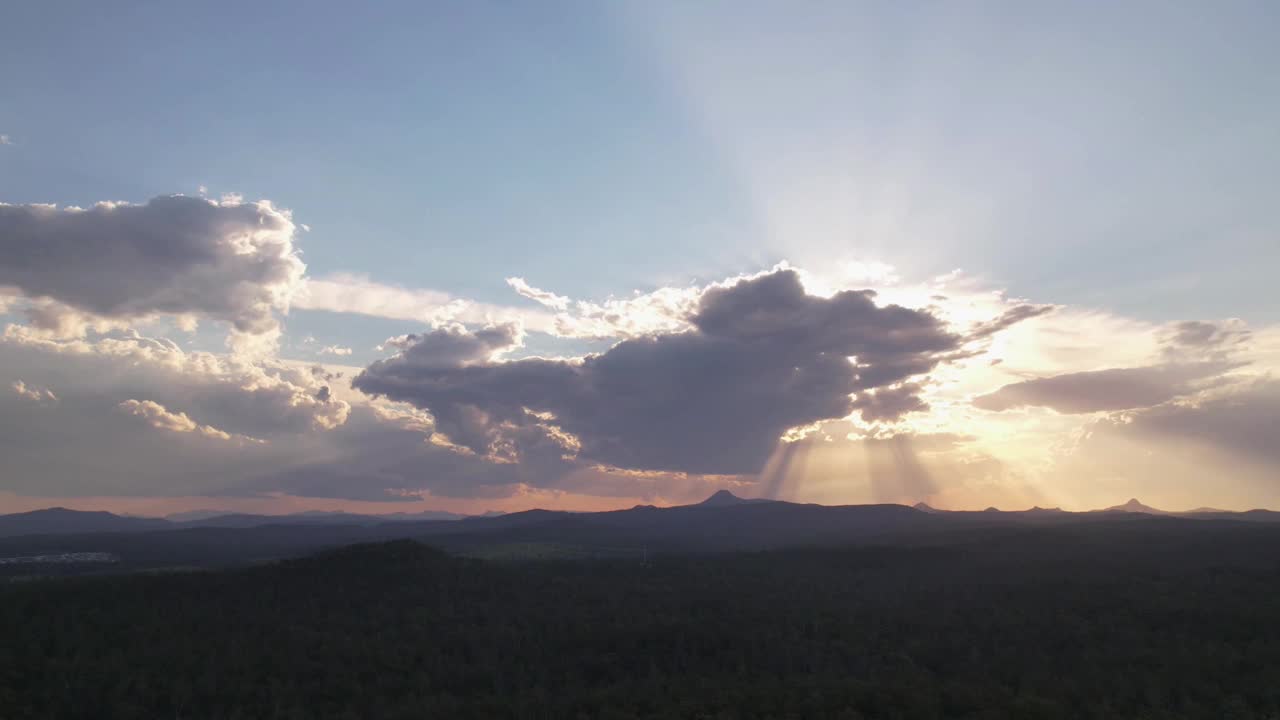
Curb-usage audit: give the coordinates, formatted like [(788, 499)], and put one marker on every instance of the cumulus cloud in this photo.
[(760, 356), (334, 350), (1105, 390), (180, 256), (890, 404), (255, 397), (5, 140), (455, 346), (664, 310), (161, 418), (43, 396)]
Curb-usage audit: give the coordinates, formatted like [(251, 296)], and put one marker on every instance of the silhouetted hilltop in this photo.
[(1134, 506), (59, 520), (724, 497)]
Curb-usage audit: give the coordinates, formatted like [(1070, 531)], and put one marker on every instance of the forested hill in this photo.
[(1059, 622)]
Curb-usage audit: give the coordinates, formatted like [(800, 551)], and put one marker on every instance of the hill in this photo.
[(1017, 621), (721, 498), (62, 520), (1134, 506)]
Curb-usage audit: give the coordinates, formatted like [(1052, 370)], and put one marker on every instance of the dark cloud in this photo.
[(1008, 318), (1177, 454), (890, 404), (1244, 421), (174, 255), (1199, 340), (1196, 333), (1105, 390), (762, 356), (455, 346)]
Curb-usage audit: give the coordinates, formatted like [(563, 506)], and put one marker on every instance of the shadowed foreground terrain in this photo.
[(1121, 620)]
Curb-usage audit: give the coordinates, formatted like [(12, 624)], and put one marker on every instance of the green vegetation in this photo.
[(1033, 624)]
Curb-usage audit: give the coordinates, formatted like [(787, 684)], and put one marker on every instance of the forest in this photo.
[(1132, 620)]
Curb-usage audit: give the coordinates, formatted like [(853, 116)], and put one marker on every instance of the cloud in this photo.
[(1009, 318), (346, 293), (1242, 420), (760, 356), (253, 397), (334, 350), (1104, 390), (38, 395), (1217, 448), (890, 404), (5, 140), (177, 256), (455, 346), (542, 297), (1200, 340), (665, 310), (161, 418)]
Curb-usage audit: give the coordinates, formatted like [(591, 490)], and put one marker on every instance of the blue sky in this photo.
[(1116, 160), (1125, 153)]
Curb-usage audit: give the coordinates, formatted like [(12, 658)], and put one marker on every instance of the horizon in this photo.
[(584, 257), (34, 506)]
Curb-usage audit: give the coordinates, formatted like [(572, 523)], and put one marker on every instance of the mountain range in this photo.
[(62, 521), (58, 520)]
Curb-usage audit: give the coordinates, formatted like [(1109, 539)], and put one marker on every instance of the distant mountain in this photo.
[(722, 498), (1037, 510), (61, 521), (191, 515), (926, 507), (1133, 506), (424, 515), (232, 520)]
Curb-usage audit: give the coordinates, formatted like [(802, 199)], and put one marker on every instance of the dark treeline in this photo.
[(1140, 622)]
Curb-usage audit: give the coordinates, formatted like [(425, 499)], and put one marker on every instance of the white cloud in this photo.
[(43, 396), (5, 140), (663, 310), (253, 396), (161, 418), (346, 293), (334, 350), (542, 297)]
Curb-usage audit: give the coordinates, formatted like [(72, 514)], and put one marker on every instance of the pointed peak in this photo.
[(722, 497), (925, 507), (1135, 506)]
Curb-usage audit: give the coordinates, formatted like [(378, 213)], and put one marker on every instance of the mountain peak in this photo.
[(925, 507), (1135, 506), (723, 497)]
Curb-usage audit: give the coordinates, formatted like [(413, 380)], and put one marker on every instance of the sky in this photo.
[(503, 255)]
